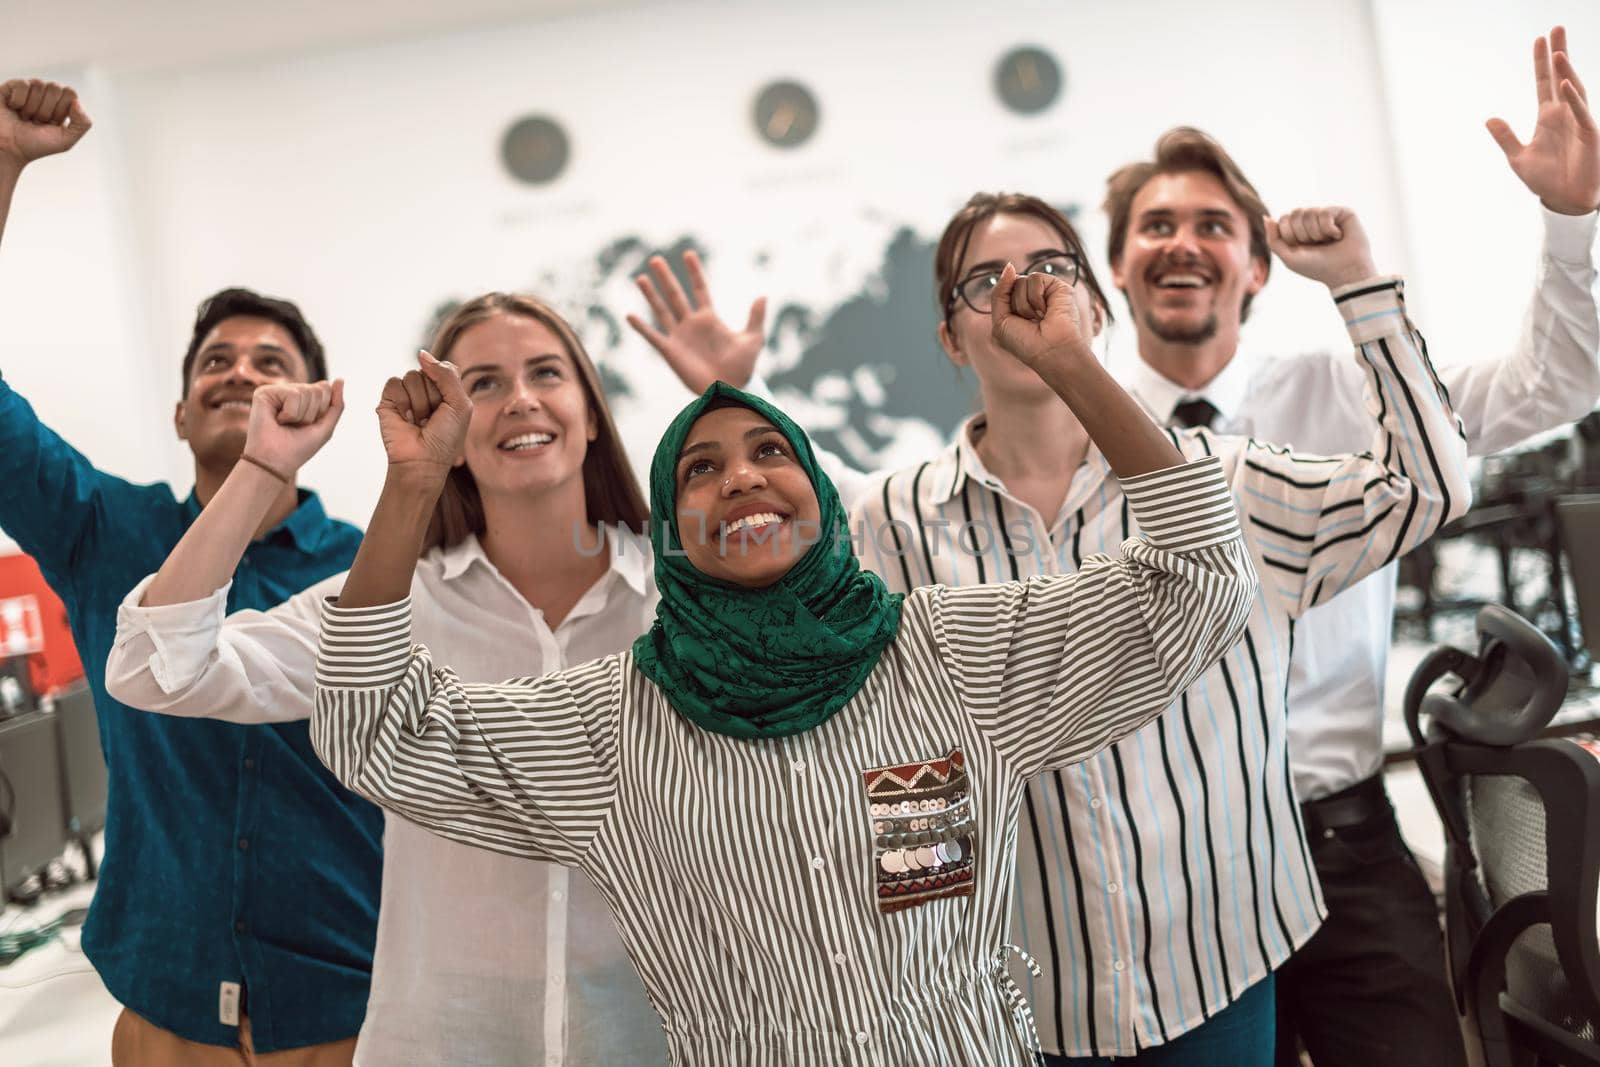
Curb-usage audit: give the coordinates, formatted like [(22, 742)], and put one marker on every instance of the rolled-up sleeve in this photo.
[(527, 767), (194, 660)]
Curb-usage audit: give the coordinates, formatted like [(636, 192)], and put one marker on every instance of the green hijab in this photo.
[(760, 662)]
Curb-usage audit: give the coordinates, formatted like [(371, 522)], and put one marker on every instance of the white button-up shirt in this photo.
[(1316, 402), (482, 959)]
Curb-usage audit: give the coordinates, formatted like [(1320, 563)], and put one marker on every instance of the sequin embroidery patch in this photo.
[(922, 831)]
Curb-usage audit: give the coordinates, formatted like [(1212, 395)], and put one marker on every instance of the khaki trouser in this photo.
[(137, 1042)]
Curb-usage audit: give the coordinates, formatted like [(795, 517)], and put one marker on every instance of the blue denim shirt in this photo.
[(232, 855)]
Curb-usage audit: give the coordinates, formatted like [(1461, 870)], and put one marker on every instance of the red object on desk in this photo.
[(56, 663)]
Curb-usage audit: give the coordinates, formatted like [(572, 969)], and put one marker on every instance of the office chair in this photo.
[(1522, 857)]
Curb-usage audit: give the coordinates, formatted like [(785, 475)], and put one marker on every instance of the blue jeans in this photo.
[(1241, 1035)]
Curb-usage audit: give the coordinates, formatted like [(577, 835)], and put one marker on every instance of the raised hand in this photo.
[(1035, 318), (423, 419), (1561, 163), (1325, 244), (695, 342), (37, 119), (290, 423)]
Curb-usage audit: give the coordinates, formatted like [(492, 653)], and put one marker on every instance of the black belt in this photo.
[(1359, 803)]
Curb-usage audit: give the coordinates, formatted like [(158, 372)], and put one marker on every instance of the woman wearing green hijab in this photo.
[(798, 792)]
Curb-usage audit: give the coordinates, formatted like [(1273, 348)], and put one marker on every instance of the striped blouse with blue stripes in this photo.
[(1160, 879)]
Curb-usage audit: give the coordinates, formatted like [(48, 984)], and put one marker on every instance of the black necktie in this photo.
[(1196, 412)]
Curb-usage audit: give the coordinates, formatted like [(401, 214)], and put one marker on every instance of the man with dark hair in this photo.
[(245, 303), (1188, 250), (237, 903)]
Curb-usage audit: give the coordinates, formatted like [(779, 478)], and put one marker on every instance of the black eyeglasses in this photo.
[(977, 290)]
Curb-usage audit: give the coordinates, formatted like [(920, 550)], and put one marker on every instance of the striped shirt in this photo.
[(1317, 400), (1165, 876), (839, 896)]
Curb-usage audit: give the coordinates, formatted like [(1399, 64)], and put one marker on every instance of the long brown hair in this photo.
[(611, 492), (984, 206)]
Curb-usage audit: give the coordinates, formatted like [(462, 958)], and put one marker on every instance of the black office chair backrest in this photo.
[(1522, 822), (1508, 692), (1507, 819)]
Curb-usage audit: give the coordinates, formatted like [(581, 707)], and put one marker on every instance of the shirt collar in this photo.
[(1160, 394), (305, 526), (630, 558), (960, 461), (947, 473)]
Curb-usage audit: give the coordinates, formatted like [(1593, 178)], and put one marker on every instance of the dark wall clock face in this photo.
[(1028, 80), (786, 114), (535, 150)]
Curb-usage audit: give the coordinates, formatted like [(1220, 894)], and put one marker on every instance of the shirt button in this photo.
[(799, 766), (840, 958), (244, 844), (1094, 802), (249, 763), (817, 863), (1117, 965), (241, 927), (861, 1037), (556, 894), (1111, 887)]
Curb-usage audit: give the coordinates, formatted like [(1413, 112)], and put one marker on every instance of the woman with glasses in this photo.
[(1170, 870), (1160, 882), (798, 791)]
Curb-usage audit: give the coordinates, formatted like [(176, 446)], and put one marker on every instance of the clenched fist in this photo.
[(1035, 318), (38, 119), (1325, 244), (423, 417)]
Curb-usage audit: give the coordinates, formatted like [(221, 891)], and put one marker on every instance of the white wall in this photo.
[(364, 182)]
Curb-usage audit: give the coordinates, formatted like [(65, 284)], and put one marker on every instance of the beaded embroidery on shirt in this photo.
[(922, 827)]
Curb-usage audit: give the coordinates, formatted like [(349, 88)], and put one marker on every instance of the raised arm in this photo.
[(1054, 669), (49, 492), (288, 425), (37, 119), (1034, 318), (527, 767), (1057, 668), (194, 660), (1552, 376), (1321, 523), (176, 650), (423, 418)]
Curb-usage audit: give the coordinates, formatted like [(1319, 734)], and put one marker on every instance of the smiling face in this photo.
[(239, 354), (968, 338), (531, 421), (1186, 267), (746, 509)]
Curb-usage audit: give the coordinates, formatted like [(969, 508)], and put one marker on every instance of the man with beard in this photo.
[(1188, 249), (237, 902)]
